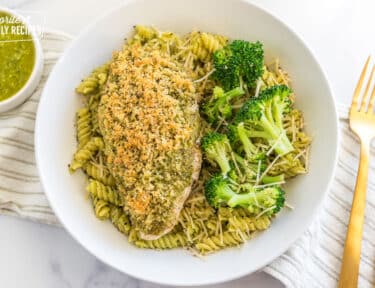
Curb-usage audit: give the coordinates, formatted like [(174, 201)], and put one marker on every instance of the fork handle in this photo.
[(352, 250)]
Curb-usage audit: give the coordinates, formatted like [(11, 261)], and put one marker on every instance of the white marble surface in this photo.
[(340, 32)]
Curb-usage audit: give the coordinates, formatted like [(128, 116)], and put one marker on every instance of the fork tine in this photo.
[(359, 85), (372, 101), (364, 98)]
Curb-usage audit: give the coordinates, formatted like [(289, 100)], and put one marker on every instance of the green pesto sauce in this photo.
[(17, 55)]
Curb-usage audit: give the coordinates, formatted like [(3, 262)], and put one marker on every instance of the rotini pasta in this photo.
[(145, 33), (94, 82), (103, 192), (167, 241), (214, 243), (248, 224), (87, 152), (84, 128), (213, 42), (102, 208), (93, 104), (204, 44), (120, 220), (226, 213), (99, 173)]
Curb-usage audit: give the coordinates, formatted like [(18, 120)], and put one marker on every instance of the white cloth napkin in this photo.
[(313, 261), (21, 193)]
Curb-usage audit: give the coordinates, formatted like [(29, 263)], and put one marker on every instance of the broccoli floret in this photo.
[(233, 174), (238, 135), (216, 148), (219, 192), (218, 106), (263, 117), (238, 64), (250, 168)]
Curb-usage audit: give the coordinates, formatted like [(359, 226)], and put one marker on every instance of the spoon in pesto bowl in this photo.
[(21, 59)]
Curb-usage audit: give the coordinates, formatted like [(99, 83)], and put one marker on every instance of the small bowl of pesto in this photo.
[(21, 59)]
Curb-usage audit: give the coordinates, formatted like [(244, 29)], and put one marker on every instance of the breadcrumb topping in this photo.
[(149, 119)]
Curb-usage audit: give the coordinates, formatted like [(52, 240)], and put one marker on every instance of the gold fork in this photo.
[(362, 123)]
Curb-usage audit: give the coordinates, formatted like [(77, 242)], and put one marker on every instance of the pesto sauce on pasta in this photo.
[(199, 226)]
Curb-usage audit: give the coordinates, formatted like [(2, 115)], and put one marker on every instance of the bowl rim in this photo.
[(27, 89), (298, 233)]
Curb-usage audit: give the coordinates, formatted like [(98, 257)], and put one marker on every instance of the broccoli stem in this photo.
[(257, 134), (250, 169), (242, 200), (273, 179), (249, 147), (221, 191), (283, 145), (226, 193), (234, 93), (239, 159), (219, 105), (278, 115), (269, 128), (223, 162)]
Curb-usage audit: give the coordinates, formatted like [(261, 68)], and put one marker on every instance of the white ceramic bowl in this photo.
[(36, 74), (55, 138)]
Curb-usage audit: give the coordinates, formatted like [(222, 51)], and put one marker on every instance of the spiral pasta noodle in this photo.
[(120, 220), (227, 213), (214, 243), (85, 153), (103, 192), (102, 208), (204, 44), (213, 42), (93, 105), (145, 33), (101, 175), (94, 82), (167, 241), (289, 165), (248, 224), (84, 128)]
